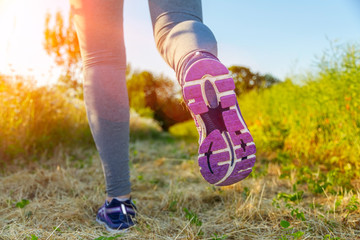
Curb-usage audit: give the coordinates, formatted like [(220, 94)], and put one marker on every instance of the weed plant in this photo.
[(35, 120), (315, 125)]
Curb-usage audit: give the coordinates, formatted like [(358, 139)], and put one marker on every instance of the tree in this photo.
[(61, 42), (157, 97), (245, 80)]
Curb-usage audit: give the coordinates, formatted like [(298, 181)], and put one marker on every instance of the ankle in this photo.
[(121, 198), (189, 59)]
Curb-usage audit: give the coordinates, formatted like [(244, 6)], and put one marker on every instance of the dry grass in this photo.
[(66, 194)]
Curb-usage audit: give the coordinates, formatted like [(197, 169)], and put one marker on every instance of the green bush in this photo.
[(316, 123), (185, 129), (143, 127)]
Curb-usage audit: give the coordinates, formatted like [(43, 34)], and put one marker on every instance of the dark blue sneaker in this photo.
[(117, 216)]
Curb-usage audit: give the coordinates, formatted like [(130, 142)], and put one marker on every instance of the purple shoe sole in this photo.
[(227, 150)]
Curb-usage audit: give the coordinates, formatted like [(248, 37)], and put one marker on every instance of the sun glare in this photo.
[(21, 50)]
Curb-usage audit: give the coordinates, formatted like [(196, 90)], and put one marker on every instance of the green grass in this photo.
[(36, 120), (315, 124)]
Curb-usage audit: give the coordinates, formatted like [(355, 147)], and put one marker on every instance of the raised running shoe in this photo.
[(226, 147)]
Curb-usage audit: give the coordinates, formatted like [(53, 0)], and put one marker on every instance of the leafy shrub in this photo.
[(185, 129), (316, 123), (143, 127)]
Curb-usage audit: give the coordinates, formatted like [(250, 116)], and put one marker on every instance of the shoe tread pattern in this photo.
[(222, 154)]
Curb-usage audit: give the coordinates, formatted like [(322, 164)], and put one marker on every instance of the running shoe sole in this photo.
[(110, 229), (227, 150)]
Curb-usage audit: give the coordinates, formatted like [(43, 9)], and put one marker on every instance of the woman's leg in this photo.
[(227, 150), (179, 30), (99, 26)]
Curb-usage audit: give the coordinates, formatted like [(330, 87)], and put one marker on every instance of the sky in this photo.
[(279, 37)]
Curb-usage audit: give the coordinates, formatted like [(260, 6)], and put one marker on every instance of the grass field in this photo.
[(305, 185), (174, 201)]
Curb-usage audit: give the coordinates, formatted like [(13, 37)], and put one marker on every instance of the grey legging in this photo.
[(178, 32)]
